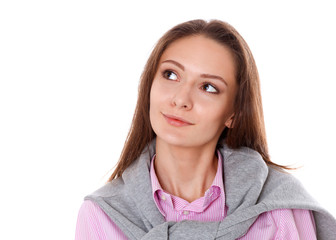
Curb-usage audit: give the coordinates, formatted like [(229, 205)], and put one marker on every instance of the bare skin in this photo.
[(188, 173), (191, 104)]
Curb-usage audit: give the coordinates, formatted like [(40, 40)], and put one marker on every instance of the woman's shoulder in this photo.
[(94, 223), (113, 193), (235, 160), (109, 189)]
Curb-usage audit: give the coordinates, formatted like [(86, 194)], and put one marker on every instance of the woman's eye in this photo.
[(209, 88), (170, 75)]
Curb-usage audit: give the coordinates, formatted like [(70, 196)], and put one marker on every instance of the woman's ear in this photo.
[(228, 122)]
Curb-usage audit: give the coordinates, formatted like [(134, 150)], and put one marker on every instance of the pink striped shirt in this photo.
[(289, 224), (208, 208)]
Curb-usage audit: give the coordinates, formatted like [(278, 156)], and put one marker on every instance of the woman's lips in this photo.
[(176, 121)]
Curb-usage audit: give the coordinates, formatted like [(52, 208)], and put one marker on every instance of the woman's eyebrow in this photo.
[(204, 75), (176, 63)]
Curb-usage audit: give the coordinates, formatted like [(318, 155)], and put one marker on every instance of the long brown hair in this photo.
[(248, 119)]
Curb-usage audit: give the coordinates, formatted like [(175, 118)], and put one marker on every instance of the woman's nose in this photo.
[(182, 97)]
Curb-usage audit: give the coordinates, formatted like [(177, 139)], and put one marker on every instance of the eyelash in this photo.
[(168, 71), (204, 84)]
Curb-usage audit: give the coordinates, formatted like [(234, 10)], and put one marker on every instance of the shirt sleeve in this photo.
[(94, 224), (283, 224), (294, 224)]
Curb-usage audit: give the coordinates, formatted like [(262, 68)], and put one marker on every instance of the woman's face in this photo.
[(192, 95)]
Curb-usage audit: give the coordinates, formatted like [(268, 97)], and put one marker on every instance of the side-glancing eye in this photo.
[(209, 88), (170, 75)]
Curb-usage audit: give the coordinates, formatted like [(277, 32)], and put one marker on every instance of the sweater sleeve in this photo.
[(94, 224), (289, 224)]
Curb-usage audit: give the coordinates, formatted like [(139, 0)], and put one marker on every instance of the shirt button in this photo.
[(163, 197), (185, 212)]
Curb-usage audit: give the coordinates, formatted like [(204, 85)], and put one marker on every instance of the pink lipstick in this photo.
[(176, 121)]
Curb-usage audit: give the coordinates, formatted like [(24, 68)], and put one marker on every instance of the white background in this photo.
[(69, 73)]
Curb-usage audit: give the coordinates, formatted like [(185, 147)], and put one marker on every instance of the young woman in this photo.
[(195, 164)]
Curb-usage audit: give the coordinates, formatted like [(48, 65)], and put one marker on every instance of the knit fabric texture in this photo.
[(251, 188)]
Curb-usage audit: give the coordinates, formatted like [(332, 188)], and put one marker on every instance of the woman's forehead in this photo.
[(201, 55)]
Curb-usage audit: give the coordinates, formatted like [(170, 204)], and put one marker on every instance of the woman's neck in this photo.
[(185, 172)]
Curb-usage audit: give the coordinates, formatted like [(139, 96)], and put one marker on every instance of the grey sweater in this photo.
[(251, 188)]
